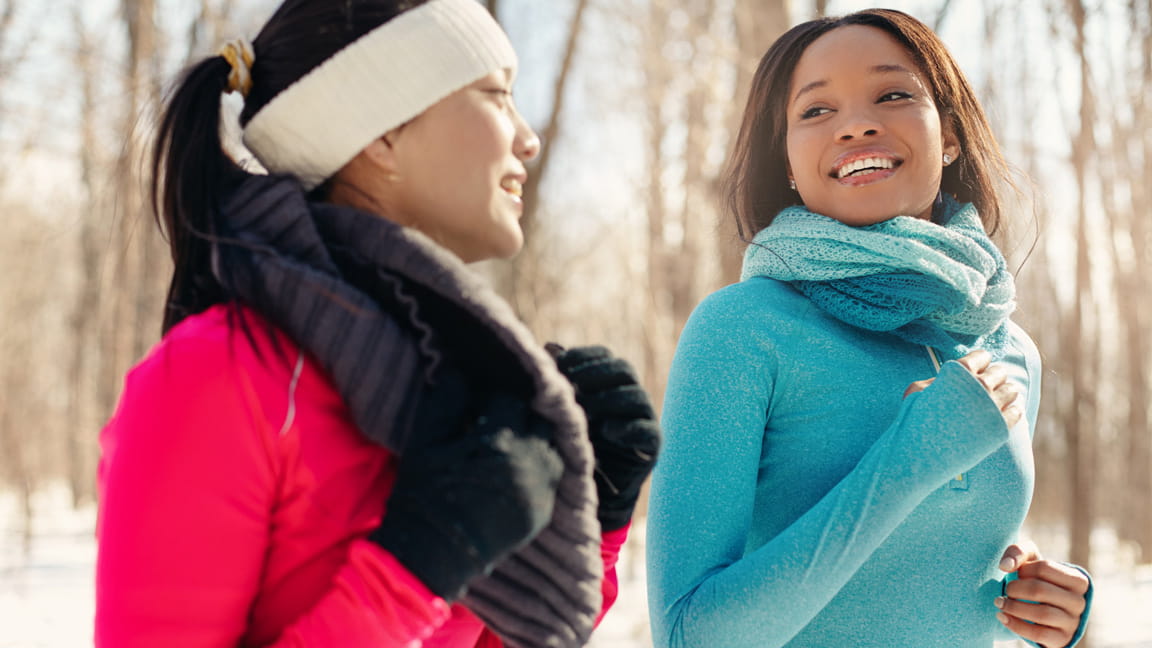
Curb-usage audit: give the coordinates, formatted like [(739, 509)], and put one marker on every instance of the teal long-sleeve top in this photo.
[(801, 500)]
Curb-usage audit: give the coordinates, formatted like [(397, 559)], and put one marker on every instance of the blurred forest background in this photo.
[(637, 103)]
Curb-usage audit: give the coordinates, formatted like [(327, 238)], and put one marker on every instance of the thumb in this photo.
[(918, 386), (1019, 554)]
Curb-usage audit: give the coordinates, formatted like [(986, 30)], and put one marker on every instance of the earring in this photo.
[(792, 184), (947, 159)]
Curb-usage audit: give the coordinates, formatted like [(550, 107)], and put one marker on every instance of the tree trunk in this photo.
[(758, 23), (79, 446), (1135, 317), (134, 295), (521, 284), (1082, 425), (657, 329)]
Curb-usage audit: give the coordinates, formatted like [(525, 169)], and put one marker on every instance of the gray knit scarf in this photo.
[(364, 296)]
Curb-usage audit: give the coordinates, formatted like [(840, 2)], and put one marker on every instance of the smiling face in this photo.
[(864, 137), (461, 170), (455, 172)]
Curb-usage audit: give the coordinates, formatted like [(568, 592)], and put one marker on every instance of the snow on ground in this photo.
[(46, 597)]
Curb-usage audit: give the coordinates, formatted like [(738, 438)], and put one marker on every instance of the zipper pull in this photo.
[(935, 360)]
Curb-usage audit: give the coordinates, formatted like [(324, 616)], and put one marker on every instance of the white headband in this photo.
[(380, 81)]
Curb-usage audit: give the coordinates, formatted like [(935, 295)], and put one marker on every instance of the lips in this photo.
[(864, 166), (513, 186)]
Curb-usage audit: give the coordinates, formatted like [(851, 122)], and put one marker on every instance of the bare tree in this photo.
[(526, 280), (757, 24), (1081, 426), (658, 333), (86, 358), (1128, 161), (133, 289), (210, 25)]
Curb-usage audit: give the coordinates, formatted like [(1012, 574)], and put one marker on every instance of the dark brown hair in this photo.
[(756, 181), (191, 173)]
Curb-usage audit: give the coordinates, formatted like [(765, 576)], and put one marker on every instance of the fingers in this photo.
[(976, 361), (1063, 576), (634, 440), (594, 368), (996, 383), (1044, 604), (1005, 398), (626, 402), (918, 386), (1033, 594), (1047, 636), (570, 358), (1018, 554)]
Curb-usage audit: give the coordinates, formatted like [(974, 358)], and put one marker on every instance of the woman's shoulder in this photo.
[(757, 304), (230, 347), (225, 335), (1022, 350)]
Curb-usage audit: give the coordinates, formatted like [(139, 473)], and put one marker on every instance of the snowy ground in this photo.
[(46, 597)]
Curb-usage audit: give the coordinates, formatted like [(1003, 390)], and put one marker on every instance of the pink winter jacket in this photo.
[(235, 498)]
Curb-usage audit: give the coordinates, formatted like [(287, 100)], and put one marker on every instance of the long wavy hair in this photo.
[(755, 183)]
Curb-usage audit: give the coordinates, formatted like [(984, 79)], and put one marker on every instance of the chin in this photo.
[(509, 243), (509, 251)]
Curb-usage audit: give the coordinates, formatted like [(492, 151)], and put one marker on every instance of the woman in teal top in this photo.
[(848, 429)]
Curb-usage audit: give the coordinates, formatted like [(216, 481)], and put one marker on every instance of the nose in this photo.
[(857, 125), (526, 145)]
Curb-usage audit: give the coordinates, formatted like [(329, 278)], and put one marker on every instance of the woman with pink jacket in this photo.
[(345, 438)]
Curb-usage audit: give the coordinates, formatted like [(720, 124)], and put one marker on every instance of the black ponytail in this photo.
[(191, 174)]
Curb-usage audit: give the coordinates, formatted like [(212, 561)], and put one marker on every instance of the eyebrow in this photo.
[(883, 68)]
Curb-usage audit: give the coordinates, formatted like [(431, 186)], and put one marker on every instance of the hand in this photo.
[(992, 377), (467, 497), (621, 426), (1045, 602)]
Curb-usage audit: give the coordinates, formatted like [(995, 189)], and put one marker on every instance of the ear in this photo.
[(951, 143), (381, 153)]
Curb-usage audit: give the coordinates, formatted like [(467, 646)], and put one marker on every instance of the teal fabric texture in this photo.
[(801, 499), (944, 286)]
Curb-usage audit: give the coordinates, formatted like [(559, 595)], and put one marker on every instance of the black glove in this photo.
[(466, 498), (621, 426)]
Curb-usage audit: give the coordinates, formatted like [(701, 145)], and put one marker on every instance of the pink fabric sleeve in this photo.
[(374, 601), (610, 545), (189, 476)]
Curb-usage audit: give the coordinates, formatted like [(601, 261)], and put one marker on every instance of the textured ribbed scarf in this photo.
[(365, 297), (945, 286)]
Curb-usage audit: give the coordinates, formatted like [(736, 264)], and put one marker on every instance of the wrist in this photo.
[(614, 518)]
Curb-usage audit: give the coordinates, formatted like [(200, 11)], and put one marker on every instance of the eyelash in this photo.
[(812, 113), (898, 94)]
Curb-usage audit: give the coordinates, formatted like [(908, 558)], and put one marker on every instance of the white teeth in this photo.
[(512, 186), (864, 163)]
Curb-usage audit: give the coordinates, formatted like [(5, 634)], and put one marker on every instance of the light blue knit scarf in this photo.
[(945, 286)]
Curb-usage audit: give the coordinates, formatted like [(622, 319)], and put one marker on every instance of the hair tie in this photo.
[(240, 55)]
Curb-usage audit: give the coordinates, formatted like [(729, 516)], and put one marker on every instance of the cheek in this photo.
[(488, 140), (800, 154)]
